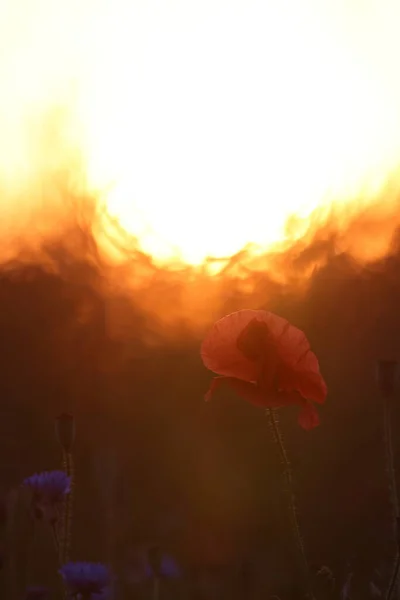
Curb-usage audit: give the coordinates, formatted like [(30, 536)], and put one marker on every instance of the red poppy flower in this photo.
[(267, 361)]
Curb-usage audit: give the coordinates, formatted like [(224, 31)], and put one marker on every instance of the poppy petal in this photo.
[(256, 346), (246, 390), (298, 367), (215, 384), (312, 386), (220, 351), (305, 378), (251, 393), (308, 416), (227, 351)]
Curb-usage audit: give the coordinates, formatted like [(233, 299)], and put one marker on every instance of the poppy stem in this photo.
[(291, 497)]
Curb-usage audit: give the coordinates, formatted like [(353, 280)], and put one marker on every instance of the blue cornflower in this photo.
[(52, 485), (48, 490), (85, 578)]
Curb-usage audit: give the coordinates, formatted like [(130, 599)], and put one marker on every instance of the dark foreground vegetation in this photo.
[(170, 486)]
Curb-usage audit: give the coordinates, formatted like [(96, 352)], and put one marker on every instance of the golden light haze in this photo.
[(203, 125)]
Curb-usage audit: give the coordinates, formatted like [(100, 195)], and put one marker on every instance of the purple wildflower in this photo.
[(85, 578), (48, 490)]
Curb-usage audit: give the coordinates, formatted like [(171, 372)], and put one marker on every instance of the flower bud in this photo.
[(65, 431), (387, 373)]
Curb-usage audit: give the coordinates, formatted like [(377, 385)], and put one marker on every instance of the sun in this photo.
[(210, 123)]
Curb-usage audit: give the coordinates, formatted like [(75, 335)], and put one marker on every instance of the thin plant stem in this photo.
[(62, 528), (29, 549), (14, 500), (68, 466), (64, 544), (291, 498), (393, 491), (57, 546), (156, 588), (395, 574), (56, 541)]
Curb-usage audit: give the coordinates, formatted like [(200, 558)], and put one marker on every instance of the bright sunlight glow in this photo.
[(208, 123)]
